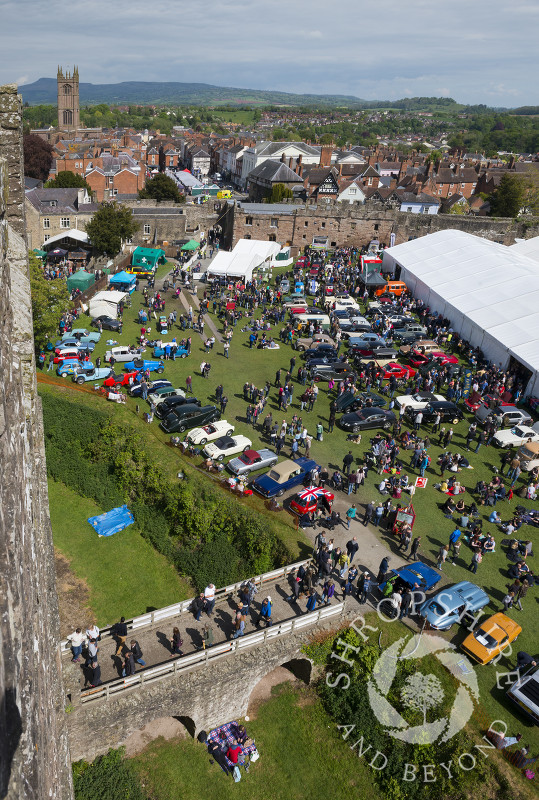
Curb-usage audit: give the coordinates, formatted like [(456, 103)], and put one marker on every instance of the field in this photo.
[(259, 366)]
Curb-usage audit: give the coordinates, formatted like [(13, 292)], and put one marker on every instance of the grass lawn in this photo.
[(125, 576), (257, 366), (301, 756)]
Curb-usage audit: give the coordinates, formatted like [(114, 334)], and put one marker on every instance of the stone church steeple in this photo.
[(68, 100)]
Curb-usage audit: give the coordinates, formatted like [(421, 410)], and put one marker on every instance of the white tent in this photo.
[(488, 291), (106, 303), (247, 255)]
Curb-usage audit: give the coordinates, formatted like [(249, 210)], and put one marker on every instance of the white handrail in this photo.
[(184, 663), (150, 618)]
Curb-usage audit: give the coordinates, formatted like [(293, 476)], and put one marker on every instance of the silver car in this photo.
[(252, 460)]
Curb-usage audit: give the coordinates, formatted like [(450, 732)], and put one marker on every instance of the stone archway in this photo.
[(165, 727), (297, 669), (301, 668)]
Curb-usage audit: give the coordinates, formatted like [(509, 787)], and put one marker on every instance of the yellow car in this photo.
[(490, 638)]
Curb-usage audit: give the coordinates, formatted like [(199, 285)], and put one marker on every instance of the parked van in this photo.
[(317, 319), (397, 288), (528, 455)]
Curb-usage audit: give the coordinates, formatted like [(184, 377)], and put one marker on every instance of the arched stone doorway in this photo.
[(165, 727), (297, 669)]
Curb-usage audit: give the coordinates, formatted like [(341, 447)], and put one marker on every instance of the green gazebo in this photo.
[(80, 280), (148, 257), (192, 244)]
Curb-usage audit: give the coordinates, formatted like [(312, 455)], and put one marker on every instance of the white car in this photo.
[(123, 353), (162, 394), (227, 446), (417, 401), (514, 437), (209, 432)]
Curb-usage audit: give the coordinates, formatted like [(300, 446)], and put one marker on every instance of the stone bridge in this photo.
[(204, 687)]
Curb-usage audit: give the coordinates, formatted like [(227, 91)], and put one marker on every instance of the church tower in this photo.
[(68, 100)]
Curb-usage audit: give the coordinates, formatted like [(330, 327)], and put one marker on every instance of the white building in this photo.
[(253, 156)]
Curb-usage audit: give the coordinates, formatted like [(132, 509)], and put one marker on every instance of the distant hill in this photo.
[(43, 91)]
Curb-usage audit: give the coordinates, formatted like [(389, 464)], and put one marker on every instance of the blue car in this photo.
[(285, 476), (74, 342), (138, 363), (87, 372), (70, 366), (181, 352), (417, 576), (82, 333), (453, 604)]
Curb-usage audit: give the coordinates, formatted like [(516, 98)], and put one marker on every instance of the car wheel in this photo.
[(160, 370), (63, 374), (203, 441), (247, 446), (80, 380), (181, 429), (221, 457), (302, 349), (455, 420), (117, 386), (230, 432), (355, 430), (280, 493), (386, 426), (184, 355)]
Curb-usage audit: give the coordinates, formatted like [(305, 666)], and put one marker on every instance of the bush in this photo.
[(109, 777)]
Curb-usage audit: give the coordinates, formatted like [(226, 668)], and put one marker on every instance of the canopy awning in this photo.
[(192, 244)]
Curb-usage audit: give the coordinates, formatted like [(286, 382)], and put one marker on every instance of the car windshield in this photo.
[(275, 476), (519, 432), (437, 609), (484, 638)]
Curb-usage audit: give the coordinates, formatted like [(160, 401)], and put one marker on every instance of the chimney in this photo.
[(300, 159), (326, 152), (283, 158), (290, 163), (393, 183), (300, 169)]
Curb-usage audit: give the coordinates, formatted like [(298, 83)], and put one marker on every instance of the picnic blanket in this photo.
[(112, 521), (230, 732)]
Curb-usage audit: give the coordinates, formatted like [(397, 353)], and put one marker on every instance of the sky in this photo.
[(476, 52)]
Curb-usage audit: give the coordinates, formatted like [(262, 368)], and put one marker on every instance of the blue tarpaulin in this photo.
[(112, 521)]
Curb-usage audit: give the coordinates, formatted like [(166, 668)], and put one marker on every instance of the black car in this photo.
[(374, 352), (333, 372), (449, 412), (454, 370), (189, 416), (367, 418), (107, 323), (323, 350), (404, 336), (170, 403), (348, 401)]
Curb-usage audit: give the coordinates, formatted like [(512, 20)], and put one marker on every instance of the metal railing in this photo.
[(152, 617), (200, 658)]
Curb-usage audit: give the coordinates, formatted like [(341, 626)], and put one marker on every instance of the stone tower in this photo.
[(68, 100)]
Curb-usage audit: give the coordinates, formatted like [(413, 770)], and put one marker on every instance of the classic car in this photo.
[(514, 437), (400, 371), (333, 372), (144, 364), (107, 323), (322, 350), (417, 576), (180, 352), (417, 401), (252, 460), (525, 693), (87, 372), (136, 391), (68, 366), (69, 353), (227, 446), (82, 333), (308, 499), (453, 604), (491, 637), (311, 342), (348, 401), (365, 418), (189, 416), (123, 353), (506, 416), (170, 404), (127, 379), (448, 411), (284, 476), (162, 393), (72, 341), (210, 432)]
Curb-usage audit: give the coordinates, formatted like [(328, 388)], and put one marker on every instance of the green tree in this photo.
[(280, 192), (509, 197), (326, 138), (68, 180), (161, 187), (109, 226), (50, 299)]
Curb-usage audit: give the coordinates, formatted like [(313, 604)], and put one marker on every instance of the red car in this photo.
[(61, 357), (127, 379), (303, 262), (400, 371), (475, 400), (307, 500), (419, 359)]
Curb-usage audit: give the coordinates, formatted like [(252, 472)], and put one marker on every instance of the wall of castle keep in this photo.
[(355, 226), (34, 752)]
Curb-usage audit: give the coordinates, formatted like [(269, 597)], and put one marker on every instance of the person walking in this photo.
[(382, 569), (311, 601), (189, 385), (328, 591), (350, 515), (129, 667), (369, 511), (347, 462), (137, 652), (265, 613), (176, 642), (415, 548), (352, 545), (209, 598), (442, 555), (77, 639), (366, 587), (455, 549), (477, 557), (120, 631)]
